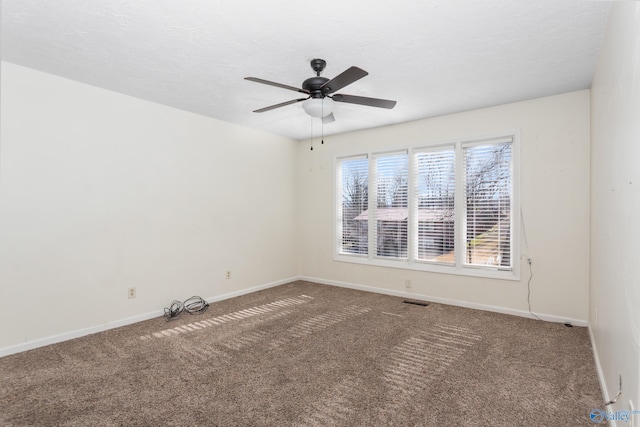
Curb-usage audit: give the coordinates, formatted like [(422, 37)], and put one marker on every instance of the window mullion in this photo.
[(460, 208), (373, 197), (411, 209)]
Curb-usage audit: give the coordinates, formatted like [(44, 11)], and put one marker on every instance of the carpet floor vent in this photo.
[(422, 303)]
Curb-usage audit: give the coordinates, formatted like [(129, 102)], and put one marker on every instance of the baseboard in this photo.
[(41, 342), (603, 385), (438, 300), (54, 339)]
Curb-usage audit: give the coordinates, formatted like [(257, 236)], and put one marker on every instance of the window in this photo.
[(391, 209), (353, 190), (435, 194), (487, 188), (447, 208)]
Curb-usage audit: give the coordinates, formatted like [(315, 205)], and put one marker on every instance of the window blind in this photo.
[(488, 196), (391, 205), (352, 218), (434, 211)]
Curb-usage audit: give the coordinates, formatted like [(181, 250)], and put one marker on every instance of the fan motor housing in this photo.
[(313, 85)]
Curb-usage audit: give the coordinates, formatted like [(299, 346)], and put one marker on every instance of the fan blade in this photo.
[(267, 82), (362, 100), (282, 104), (341, 80), (328, 119)]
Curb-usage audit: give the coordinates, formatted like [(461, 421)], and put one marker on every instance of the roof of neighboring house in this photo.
[(401, 214)]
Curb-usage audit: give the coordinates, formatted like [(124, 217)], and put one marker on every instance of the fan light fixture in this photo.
[(318, 107)]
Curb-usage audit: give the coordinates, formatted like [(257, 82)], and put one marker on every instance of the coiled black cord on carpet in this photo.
[(173, 310), (193, 305)]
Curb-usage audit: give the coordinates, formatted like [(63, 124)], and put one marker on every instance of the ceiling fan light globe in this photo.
[(318, 107)]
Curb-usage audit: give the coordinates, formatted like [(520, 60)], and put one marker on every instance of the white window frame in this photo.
[(412, 263), (338, 222), (373, 207), (414, 221)]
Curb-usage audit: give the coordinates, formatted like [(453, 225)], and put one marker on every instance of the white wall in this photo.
[(555, 206), (100, 192), (615, 203)]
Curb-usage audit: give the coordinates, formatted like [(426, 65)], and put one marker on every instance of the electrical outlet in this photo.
[(228, 274), (407, 284), (131, 292)]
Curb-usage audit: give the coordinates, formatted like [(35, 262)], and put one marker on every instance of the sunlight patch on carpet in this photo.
[(230, 317), (318, 323)]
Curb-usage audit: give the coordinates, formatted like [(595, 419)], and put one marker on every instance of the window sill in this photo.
[(430, 268)]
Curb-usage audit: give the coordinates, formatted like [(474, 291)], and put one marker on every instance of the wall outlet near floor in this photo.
[(407, 284), (228, 274), (131, 293)]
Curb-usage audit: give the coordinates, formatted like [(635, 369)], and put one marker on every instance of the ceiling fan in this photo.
[(321, 92)]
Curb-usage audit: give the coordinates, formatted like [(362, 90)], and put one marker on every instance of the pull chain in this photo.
[(322, 124), (311, 133)]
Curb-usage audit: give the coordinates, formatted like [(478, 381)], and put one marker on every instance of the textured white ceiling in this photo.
[(434, 57)]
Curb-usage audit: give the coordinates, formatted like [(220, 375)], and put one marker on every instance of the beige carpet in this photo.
[(304, 354)]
